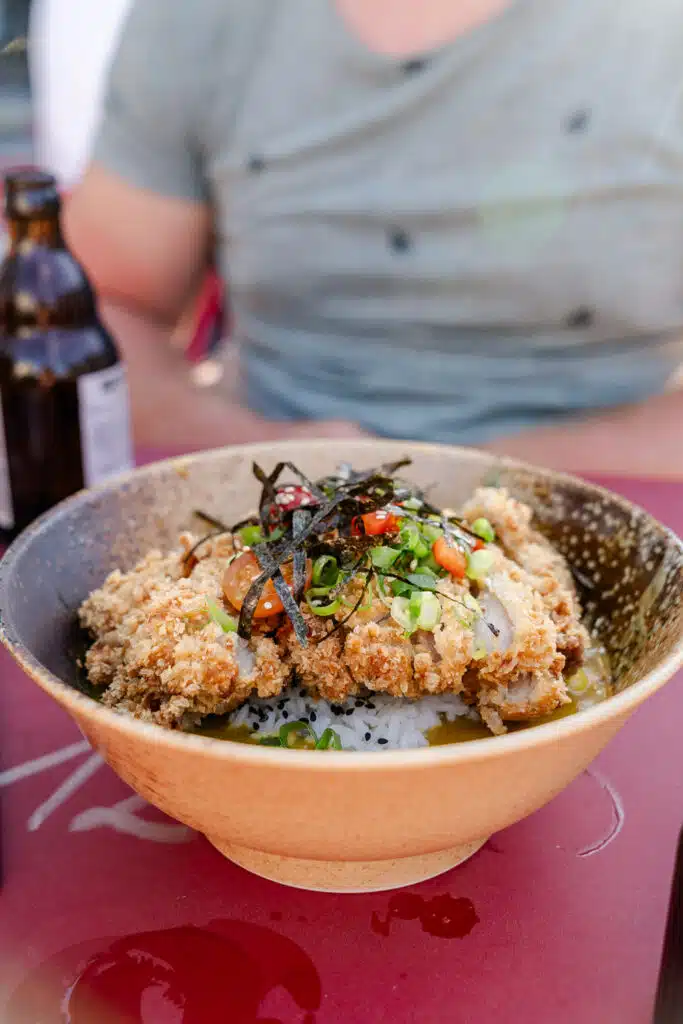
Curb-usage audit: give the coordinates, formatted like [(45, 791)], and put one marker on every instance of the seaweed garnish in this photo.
[(342, 622), (338, 500), (333, 509), (190, 557), (211, 521), (300, 519)]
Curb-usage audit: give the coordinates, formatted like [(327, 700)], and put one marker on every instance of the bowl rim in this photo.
[(81, 705)]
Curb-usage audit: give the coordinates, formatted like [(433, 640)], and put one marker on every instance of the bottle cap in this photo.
[(31, 193)]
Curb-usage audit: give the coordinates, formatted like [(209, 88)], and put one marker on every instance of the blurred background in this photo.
[(15, 104)]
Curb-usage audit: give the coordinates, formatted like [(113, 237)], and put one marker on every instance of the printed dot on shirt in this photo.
[(414, 66), (581, 317), (578, 121), (256, 164), (400, 240)]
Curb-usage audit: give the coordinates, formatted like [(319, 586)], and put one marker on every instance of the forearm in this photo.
[(168, 410), (645, 439)]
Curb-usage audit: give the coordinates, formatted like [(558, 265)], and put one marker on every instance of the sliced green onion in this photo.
[(413, 504), (423, 580), (276, 534), (422, 549), (301, 728), (415, 605), (329, 739), (579, 682), (323, 610), (251, 535), (409, 536), (220, 616), (482, 528), (384, 557), (325, 571), (479, 564), (431, 533), (400, 588), (400, 613), (430, 564), (429, 615)]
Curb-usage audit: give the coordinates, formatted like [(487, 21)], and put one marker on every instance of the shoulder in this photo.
[(196, 27)]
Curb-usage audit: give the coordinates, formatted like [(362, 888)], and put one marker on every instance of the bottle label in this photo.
[(6, 503), (104, 414)]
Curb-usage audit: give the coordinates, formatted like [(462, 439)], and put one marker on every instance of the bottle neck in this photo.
[(45, 231)]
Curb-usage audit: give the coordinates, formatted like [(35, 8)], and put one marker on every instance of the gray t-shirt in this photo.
[(480, 239)]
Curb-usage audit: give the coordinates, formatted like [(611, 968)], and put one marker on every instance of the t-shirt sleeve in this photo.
[(148, 129)]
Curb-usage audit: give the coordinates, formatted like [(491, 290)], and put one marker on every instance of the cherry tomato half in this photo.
[(374, 524), (240, 575), (452, 559)]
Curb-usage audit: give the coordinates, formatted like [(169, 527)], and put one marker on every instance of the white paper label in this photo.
[(104, 414), (6, 503)]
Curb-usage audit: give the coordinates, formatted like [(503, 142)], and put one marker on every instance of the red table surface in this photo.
[(559, 919)]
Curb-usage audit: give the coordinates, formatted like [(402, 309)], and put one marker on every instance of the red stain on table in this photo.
[(182, 974), (444, 917)]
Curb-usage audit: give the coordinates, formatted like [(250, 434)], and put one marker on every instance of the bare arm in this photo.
[(145, 254), (644, 439)]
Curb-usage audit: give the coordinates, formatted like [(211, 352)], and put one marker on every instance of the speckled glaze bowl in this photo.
[(347, 821)]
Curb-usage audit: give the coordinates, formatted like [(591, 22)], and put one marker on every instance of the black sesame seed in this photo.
[(281, 704), (256, 727), (349, 712), (368, 735), (337, 711), (302, 693), (314, 717), (370, 706), (359, 703), (285, 714), (253, 710), (382, 741)]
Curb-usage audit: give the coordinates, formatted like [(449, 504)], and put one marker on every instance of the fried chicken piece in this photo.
[(528, 696), (442, 656), (160, 655), (380, 658), (518, 673), (320, 666), (546, 568), (527, 638)]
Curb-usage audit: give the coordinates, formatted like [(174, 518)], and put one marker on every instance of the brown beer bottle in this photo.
[(64, 412)]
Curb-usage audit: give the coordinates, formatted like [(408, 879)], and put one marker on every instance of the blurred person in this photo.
[(455, 221)]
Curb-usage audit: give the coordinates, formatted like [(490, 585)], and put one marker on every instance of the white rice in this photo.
[(376, 722)]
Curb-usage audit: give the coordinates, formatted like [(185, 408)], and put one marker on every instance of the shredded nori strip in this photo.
[(299, 521), (212, 521), (189, 559), (342, 622)]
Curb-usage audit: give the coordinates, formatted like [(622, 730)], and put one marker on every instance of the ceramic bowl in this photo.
[(347, 821)]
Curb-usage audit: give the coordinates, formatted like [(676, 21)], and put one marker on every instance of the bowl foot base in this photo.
[(346, 876)]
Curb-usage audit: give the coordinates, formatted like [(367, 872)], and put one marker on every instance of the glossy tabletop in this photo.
[(112, 914)]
